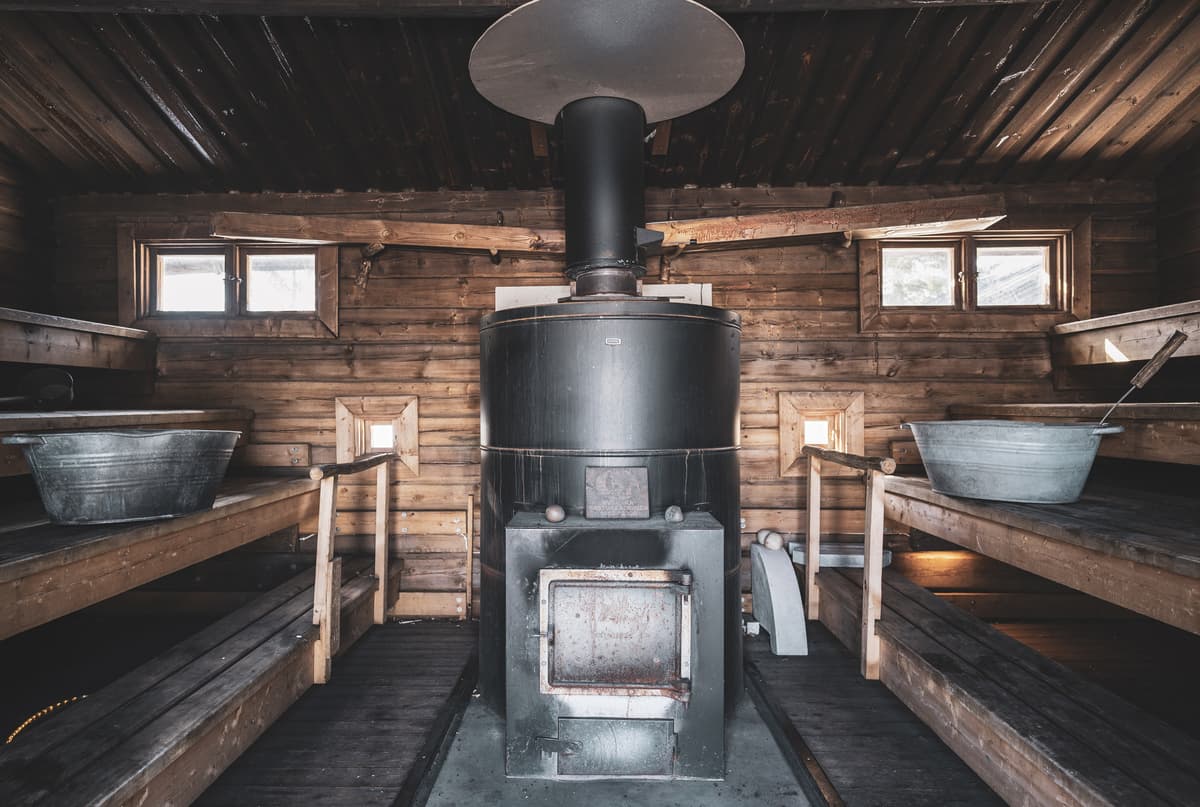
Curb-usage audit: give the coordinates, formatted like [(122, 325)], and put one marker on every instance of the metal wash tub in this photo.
[(1009, 461), (97, 477)]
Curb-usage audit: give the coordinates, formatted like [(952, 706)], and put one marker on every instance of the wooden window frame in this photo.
[(795, 405), (138, 248), (1071, 259), (353, 418)]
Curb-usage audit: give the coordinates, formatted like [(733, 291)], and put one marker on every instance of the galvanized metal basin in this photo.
[(1009, 461), (98, 477)]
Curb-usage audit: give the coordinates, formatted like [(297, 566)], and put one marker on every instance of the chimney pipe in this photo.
[(603, 155)]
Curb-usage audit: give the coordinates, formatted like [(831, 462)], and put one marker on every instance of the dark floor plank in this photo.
[(873, 749), (353, 740)]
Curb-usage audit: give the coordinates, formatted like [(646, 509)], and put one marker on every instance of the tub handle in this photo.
[(23, 440), (1100, 430)]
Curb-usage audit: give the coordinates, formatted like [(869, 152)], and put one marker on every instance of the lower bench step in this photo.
[(164, 731)]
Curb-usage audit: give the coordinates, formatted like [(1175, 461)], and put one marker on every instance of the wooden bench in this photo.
[(31, 338), (1157, 432), (49, 570), (163, 732), (1034, 731), (1121, 338), (12, 460), (1134, 549)]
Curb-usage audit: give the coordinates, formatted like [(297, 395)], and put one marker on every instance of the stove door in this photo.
[(615, 632)]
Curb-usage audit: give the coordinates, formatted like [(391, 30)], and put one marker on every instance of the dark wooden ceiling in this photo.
[(1002, 93)]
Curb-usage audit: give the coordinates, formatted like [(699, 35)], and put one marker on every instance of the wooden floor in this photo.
[(874, 750), (352, 741)]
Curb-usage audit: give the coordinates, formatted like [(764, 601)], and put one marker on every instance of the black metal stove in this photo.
[(610, 627)]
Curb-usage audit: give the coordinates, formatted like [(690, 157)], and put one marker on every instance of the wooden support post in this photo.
[(812, 551), (330, 635), (470, 539), (872, 573), (381, 543), (323, 586)]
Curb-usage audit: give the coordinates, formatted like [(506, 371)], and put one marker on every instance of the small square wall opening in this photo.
[(832, 420), (379, 423)]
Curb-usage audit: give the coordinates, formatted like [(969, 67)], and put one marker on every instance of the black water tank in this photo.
[(607, 383)]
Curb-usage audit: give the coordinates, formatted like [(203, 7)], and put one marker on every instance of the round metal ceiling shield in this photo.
[(670, 56)]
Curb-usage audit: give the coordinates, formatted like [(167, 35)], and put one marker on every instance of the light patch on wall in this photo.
[(1113, 353), (383, 436)]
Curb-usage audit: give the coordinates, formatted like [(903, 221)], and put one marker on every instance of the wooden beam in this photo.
[(872, 592), (812, 554), (337, 230), (30, 338), (441, 8), (888, 220)]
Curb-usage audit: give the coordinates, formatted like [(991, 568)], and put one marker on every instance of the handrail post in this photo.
[(812, 551), (381, 542), (872, 601), (326, 591), (469, 537)]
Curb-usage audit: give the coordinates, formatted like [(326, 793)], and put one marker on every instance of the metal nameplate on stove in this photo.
[(617, 493)]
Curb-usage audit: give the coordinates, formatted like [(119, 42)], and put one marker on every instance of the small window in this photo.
[(382, 436), (1004, 280), (209, 287), (919, 276), (281, 281), (191, 281), (833, 420), (1013, 275)]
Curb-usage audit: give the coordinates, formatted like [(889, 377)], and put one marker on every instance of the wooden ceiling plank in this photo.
[(1021, 75), (73, 41), (67, 96), (874, 100), (435, 8), (145, 70), (1141, 48), (29, 113), (25, 151), (939, 59), (858, 39), (793, 79), (1087, 56), (224, 109), (989, 58), (1156, 77), (1176, 136)]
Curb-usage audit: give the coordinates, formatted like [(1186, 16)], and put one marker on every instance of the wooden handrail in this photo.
[(359, 463), (876, 468), (886, 465)]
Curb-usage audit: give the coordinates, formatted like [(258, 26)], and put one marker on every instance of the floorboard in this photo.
[(874, 750), (353, 740)]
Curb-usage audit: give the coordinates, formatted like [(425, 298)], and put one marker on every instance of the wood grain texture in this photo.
[(413, 330)]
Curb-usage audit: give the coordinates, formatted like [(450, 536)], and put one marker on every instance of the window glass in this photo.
[(1013, 275), (816, 432), (918, 276), (382, 436), (191, 282), (281, 282)]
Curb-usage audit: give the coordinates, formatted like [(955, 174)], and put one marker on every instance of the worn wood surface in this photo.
[(920, 92), (48, 570), (1034, 731), (1127, 337), (1136, 550), (413, 330), (31, 338), (353, 741), (856, 729), (163, 731)]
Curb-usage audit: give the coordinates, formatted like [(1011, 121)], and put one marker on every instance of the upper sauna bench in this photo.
[(1131, 336), (27, 337)]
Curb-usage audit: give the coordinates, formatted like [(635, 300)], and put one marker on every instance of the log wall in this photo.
[(1179, 229), (413, 328), (22, 285)]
